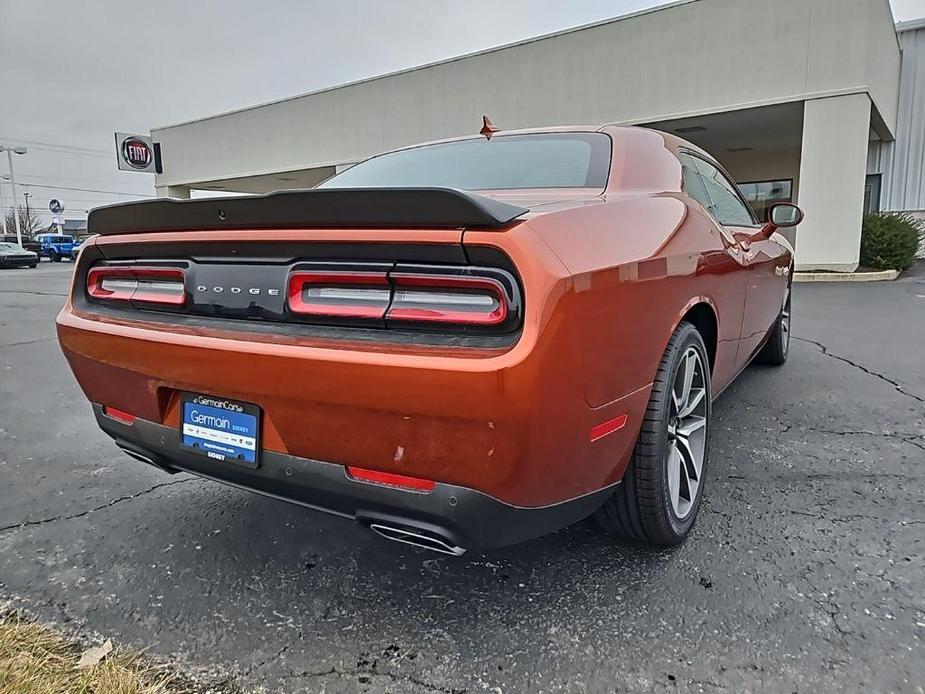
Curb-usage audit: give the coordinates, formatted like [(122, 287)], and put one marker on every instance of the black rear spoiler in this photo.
[(320, 207)]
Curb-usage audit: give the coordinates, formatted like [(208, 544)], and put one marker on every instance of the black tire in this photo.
[(55, 258), (33, 265), (777, 348), (641, 508)]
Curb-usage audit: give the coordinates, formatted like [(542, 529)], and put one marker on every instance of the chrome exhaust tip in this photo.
[(417, 538)]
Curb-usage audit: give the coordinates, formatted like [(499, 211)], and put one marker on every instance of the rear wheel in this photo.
[(659, 498), (55, 258), (777, 347)]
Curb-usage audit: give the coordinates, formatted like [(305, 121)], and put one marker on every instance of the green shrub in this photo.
[(890, 241)]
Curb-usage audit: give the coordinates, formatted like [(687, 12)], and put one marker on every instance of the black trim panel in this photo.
[(238, 257), (325, 208), (463, 517)]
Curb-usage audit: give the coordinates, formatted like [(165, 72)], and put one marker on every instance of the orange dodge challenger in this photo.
[(461, 344)]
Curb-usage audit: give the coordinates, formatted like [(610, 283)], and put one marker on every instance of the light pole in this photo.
[(10, 151), (28, 216)]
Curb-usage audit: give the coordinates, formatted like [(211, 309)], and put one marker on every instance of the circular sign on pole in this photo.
[(56, 206), (137, 153)]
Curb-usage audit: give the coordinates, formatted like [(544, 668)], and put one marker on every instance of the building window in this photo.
[(760, 194), (872, 194)]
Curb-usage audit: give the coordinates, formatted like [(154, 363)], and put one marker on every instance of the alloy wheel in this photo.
[(687, 432)]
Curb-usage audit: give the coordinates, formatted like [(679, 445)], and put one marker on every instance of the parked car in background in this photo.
[(81, 241), (14, 255), (461, 344), (28, 243), (57, 247)]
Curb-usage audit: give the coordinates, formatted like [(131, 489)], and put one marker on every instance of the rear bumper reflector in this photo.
[(388, 479), (119, 415), (609, 427)]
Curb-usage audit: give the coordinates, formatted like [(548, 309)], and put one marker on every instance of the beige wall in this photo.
[(764, 165), (692, 57), (833, 167)]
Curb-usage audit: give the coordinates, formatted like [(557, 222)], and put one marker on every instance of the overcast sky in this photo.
[(74, 71)]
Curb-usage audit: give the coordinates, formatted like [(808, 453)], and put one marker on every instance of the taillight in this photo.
[(463, 300), (339, 294), (407, 295), (152, 285)]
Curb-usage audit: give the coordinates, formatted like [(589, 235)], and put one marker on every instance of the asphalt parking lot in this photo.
[(805, 572)]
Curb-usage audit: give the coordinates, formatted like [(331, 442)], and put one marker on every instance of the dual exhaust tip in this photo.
[(418, 538)]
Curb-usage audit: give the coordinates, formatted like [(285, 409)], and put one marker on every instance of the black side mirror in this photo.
[(784, 214)]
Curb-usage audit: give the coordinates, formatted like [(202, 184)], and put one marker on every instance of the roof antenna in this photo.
[(488, 128)]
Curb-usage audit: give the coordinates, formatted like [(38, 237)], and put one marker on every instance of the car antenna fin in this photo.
[(488, 128)]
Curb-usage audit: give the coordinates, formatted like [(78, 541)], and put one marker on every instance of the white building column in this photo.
[(173, 192), (833, 168)]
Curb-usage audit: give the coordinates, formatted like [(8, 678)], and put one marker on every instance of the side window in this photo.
[(693, 183), (728, 207)]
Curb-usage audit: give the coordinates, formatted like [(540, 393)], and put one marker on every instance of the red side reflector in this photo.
[(606, 428), (388, 479), (119, 415)]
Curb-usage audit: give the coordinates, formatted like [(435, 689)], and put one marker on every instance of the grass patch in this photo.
[(37, 660)]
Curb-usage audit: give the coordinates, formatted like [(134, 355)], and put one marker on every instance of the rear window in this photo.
[(505, 162)]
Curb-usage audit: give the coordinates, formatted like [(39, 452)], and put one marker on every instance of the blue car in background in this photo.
[(57, 246)]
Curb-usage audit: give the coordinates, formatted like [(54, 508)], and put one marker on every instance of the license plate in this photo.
[(220, 429)]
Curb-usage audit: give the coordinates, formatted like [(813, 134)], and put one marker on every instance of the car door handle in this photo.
[(745, 245)]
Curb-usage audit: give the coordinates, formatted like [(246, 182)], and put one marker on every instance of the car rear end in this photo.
[(419, 374)]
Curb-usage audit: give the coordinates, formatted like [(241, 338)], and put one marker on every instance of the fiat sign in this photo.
[(135, 152)]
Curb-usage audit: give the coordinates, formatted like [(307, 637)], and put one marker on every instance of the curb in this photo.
[(882, 276)]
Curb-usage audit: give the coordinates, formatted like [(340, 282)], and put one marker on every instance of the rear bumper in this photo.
[(458, 516), (512, 424)]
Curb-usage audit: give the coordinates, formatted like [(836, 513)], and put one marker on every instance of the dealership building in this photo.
[(817, 101)]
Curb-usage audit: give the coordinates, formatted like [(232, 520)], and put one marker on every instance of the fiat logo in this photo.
[(136, 152)]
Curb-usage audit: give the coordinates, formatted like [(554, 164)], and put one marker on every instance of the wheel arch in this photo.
[(701, 313)]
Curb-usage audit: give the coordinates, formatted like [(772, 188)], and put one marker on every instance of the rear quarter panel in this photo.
[(637, 264)]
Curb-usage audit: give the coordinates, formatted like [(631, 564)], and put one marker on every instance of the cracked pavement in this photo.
[(805, 572)]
